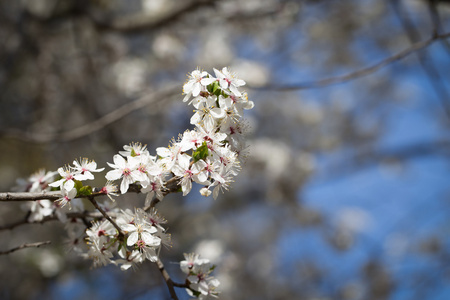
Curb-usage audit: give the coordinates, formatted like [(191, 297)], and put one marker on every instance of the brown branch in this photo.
[(359, 73), (52, 195), (171, 187), (25, 196), (107, 217), (81, 131), (31, 245), (169, 282)]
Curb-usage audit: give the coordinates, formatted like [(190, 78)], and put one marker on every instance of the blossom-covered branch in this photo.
[(208, 155)]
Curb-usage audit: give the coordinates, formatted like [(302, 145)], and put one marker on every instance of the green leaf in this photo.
[(201, 152), (78, 185), (214, 88), (85, 191), (195, 293)]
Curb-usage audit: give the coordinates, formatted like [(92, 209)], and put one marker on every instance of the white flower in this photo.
[(134, 149), (207, 288), (155, 188), (98, 229), (192, 263), (188, 173), (39, 181), (228, 80), (205, 116), (84, 169), (40, 209), (129, 259), (190, 140), (127, 170), (67, 182), (155, 219), (168, 156), (110, 190), (222, 181), (98, 253), (67, 197), (141, 230), (196, 82)]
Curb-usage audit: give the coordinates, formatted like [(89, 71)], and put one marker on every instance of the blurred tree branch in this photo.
[(30, 245), (142, 21), (434, 78), (361, 72), (70, 215), (93, 126)]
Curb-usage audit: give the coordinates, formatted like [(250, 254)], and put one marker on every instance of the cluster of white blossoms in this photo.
[(144, 237), (198, 270), (70, 174), (38, 182), (208, 155)]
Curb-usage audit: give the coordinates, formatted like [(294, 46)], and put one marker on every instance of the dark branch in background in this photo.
[(429, 68), (140, 22), (70, 215), (96, 125), (359, 73), (368, 157), (436, 20), (30, 245)]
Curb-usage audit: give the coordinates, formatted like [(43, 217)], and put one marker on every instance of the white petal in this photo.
[(119, 161), (235, 91), (217, 113), (69, 185), (150, 239), (124, 185), (132, 239), (196, 90), (207, 81), (196, 118), (57, 183), (128, 227), (114, 175)]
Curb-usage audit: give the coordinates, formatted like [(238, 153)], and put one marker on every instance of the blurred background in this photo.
[(344, 191)]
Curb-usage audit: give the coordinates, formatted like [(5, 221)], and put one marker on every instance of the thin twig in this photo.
[(359, 73), (96, 125), (426, 63), (169, 282), (121, 234), (30, 245), (70, 215), (436, 21)]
